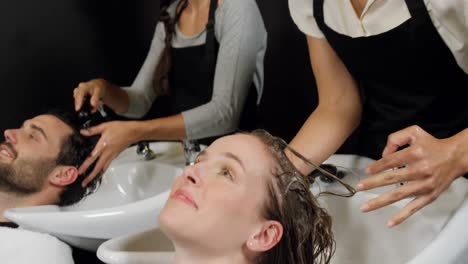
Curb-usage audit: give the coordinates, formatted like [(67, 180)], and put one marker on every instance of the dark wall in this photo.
[(290, 93), (47, 47)]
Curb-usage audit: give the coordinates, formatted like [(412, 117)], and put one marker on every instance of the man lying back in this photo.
[(39, 166)]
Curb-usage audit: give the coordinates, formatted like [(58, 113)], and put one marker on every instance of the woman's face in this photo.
[(216, 203)]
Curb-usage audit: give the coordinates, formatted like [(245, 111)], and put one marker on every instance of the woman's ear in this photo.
[(63, 176), (266, 238)]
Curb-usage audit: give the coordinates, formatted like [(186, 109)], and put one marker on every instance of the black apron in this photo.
[(191, 77), (406, 76)]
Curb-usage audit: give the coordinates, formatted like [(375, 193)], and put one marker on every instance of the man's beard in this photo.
[(24, 177)]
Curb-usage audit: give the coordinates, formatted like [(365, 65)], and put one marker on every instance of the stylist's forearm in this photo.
[(322, 134), (338, 112), (166, 128)]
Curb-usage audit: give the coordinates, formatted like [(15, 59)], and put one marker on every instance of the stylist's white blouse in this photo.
[(450, 18)]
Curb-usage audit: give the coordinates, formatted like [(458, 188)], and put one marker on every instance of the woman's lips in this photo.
[(185, 197)]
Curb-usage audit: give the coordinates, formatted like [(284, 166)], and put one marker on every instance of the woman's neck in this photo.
[(184, 256)]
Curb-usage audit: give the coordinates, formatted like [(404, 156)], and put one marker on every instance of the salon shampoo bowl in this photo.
[(147, 247), (131, 195), (436, 234)]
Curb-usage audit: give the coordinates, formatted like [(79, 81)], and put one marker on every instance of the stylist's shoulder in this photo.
[(302, 13), (242, 16)]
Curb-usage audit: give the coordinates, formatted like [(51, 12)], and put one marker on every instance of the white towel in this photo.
[(19, 246)]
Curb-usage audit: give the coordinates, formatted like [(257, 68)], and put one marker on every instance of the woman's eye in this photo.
[(31, 136), (225, 172)]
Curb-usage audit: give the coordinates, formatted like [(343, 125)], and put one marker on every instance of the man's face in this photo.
[(29, 154)]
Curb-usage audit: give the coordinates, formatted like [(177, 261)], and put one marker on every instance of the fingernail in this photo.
[(390, 224), (368, 171), (365, 207), (360, 186)]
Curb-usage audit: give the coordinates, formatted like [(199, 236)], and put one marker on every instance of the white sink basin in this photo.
[(363, 238), (132, 193), (148, 247), (430, 236)]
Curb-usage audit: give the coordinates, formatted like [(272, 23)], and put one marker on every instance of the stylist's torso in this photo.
[(214, 74), (409, 59)]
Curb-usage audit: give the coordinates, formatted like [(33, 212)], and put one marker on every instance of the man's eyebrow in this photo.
[(35, 127)]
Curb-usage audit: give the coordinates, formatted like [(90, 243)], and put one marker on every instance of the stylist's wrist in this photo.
[(115, 97), (135, 131), (460, 143), (298, 163)]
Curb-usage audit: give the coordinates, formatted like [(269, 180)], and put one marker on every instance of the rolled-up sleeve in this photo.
[(302, 13), (142, 93), (242, 37)]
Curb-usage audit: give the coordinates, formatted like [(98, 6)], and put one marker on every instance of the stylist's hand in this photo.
[(115, 137), (430, 166), (96, 89)]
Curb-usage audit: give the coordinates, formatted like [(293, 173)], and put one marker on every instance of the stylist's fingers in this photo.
[(410, 209), (96, 102), (94, 88), (79, 93), (401, 138), (97, 151), (95, 130), (98, 168), (386, 178), (391, 161), (108, 163), (393, 196)]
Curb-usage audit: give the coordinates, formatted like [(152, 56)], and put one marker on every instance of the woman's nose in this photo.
[(192, 174), (10, 136)]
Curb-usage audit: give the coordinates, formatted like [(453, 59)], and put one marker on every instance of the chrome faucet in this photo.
[(191, 151), (144, 149)]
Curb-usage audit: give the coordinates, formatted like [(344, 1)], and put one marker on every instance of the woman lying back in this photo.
[(244, 202)]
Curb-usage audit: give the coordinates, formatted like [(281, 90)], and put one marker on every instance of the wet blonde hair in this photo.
[(307, 234)]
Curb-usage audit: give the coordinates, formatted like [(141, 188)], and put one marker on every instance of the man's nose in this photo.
[(11, 136), (192, 174)]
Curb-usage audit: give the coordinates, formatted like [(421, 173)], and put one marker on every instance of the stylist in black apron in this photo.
[(212, 76), (192, 73), (408, 92)]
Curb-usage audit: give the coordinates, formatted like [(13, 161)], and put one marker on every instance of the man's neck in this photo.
[(7, 201), (11, 200)]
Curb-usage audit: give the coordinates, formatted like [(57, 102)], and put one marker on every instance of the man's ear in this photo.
[(63, 176), (266, 237)]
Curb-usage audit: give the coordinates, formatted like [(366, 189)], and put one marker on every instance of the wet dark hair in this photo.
[(307, 234), (160, 81), (74, 151)]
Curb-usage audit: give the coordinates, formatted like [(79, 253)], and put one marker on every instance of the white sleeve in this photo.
[(142, 94), (302, 13), (242, 35), (24, 247), (450, 18)]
